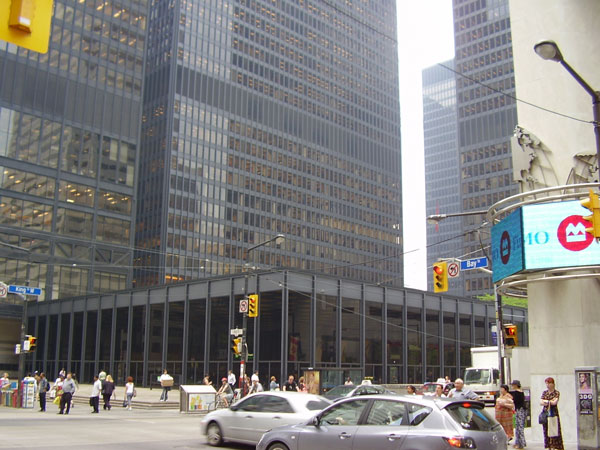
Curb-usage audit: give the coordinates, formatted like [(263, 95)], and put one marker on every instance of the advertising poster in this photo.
[(584, 393), (312, 381), (200, 402)]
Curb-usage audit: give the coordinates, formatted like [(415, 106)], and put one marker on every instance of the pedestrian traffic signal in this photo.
[(237, 347), (510, 336), (26, 23), (440, 276), (32, 343), (253, 305), (593, 204)]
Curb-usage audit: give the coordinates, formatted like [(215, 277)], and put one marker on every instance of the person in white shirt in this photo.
[(129, 392), (254, 376), (166, 381), (95, 397), (231, 379), (256, 387)]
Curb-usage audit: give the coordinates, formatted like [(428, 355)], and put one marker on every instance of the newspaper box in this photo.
[(197, 399)]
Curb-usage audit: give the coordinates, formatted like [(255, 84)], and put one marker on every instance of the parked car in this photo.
[(392, 422), (429, 388), (351, 390), (246, 420)]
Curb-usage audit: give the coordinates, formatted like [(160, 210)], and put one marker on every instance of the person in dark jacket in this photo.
[(44, 387), (108, 387)]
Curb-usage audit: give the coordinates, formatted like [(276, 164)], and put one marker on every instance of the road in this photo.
[(115, 429)]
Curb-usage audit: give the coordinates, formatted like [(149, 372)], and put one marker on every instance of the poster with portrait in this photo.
[(584, 393), (313, 381)]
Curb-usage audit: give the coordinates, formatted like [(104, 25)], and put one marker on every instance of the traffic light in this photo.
[(510, 336), (32, 343), (440, 277), (593, 204), (253, 305), (26, 23), (237, 347)]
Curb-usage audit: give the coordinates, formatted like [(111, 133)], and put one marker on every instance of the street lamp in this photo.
[(278, 239), (549, 50), (434, 219)]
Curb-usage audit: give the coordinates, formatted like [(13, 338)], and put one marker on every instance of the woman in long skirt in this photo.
[(504, 411), (549, 400)]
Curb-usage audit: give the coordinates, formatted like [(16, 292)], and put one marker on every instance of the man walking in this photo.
[(231, 379), (460, 392), (95, 397), (43, 387), (68, 389)]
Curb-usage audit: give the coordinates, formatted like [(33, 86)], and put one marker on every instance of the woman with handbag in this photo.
[(552, 433), (505, 407)]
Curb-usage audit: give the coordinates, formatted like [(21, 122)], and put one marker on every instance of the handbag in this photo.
[(543, 417), (553, 426)]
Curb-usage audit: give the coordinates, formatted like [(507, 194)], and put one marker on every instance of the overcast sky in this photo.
[(425, 37)]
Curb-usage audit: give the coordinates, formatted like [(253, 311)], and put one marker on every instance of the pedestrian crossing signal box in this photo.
[(510, 336), (26, 23)]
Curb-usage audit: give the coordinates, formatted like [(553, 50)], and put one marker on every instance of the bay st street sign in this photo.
[(474, 263)]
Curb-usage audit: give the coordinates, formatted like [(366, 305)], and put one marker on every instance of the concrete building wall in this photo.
[(565, 321)]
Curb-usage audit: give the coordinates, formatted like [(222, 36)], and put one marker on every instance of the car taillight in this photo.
[(460, 442)]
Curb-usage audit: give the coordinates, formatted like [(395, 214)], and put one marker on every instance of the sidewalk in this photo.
[(146, 398)]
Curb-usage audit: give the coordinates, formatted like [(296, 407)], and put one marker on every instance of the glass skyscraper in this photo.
[(69, 132), (487, 116), (269, 117)]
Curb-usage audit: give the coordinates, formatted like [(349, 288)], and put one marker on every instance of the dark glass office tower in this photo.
[(442, 181), (268, 117), (486, 118), (69, 128)]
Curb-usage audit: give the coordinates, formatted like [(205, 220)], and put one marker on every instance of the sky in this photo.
[(425, 37)]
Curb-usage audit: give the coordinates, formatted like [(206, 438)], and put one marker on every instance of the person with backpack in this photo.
[(43, 388)]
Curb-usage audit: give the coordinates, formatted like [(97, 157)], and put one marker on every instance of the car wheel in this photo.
[(214, 435), (278, 446)]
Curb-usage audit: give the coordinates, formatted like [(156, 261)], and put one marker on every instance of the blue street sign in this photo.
[(24, 290), (474, 263)]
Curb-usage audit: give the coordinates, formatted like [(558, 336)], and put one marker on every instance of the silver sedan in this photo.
[(392, 422), (248, 419)]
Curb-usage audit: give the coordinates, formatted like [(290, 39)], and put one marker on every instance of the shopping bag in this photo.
[(553, 426), (56, 400), (543, 417)]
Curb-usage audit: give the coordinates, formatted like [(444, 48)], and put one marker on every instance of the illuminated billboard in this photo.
[(544, 236)]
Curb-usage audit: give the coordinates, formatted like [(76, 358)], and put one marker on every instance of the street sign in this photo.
[(3, 290), (453, 270), (244, 305), (236, 331), (24, 290), (474, 263)]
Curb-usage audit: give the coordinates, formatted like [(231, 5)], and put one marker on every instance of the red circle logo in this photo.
[(572, 235)]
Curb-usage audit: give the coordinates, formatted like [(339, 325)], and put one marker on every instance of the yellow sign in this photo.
[(26, 23)]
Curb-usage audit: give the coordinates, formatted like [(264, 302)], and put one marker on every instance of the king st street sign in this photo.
[(24, 290)]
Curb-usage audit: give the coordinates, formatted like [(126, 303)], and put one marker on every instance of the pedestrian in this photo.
[(231, 379), (102, 375), (68, 389), (43, 388), (520, 414), (411, 390), (302, 385), (254, 376), (108, 387), (460, 392), (505, 407), (206, 381), (56, 390), (129, 392), (62, 373), (552, 438), (74, 378), (274, 385), (290, 384), (166, 381), (439, 391), (348, 381), (95, 397), (256, 387)]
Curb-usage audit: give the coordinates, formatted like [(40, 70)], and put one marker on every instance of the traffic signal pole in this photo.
[(500, 335)]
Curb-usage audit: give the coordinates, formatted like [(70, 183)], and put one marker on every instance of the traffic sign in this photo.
[(3, 290), (24, 290), (474, 263), (244, 305), (453, 270)]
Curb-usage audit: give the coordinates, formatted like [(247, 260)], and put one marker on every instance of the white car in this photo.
[(247, 420)]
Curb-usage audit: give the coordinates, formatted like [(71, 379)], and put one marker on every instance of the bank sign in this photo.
[(544, 236)]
